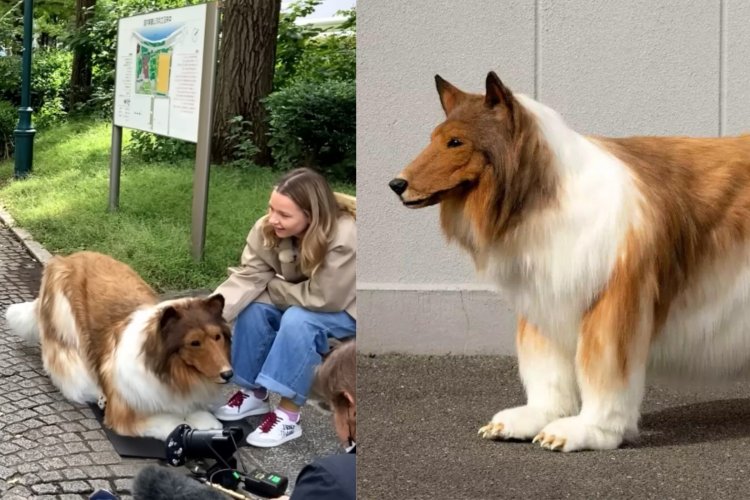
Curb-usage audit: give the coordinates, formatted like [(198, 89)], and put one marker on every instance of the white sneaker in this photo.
[(242, 405), (275, 429)]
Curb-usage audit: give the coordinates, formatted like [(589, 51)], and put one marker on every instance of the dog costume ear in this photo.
[(497, 93), (168, 315), (215, 305), (450, 96)]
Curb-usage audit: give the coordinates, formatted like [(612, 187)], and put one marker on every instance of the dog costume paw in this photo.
[(160, 426), (203, 420), (574, 434), (523, 422)]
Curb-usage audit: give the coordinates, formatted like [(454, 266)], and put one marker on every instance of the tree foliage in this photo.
[(305, 52), (308, 102), (52, 21), (292, 39)]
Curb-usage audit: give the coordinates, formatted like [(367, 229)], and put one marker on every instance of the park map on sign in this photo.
[(159, 69), (154, 57)]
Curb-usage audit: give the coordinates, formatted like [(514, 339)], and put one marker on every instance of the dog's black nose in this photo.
[(398, 185), (227, 374)]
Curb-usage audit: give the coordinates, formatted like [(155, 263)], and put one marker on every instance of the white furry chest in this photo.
[(565, 256), (547, 295), (559, 259), (707, 331)]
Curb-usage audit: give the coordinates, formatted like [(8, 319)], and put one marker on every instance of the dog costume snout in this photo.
[(398, 185), (227, 375)]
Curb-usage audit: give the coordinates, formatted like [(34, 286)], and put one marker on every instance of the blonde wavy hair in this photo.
[(312, 194)]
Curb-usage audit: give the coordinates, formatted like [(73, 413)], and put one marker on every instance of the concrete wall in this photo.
[(609, 67)]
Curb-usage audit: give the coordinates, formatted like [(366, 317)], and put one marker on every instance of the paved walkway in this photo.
[(418, 423), (50, 448)]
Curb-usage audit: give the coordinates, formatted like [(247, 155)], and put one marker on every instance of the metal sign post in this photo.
[(115, 160), (205, 127)]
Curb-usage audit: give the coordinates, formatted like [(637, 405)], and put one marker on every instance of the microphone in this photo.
[(159, 483)]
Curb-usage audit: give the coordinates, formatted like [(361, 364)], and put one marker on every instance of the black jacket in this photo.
[(328, 478)]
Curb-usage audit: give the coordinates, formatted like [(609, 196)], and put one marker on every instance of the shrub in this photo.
[(50, 77), (240, 143), (153, 148), (51, 113), (10, 79), (8, 121), (102, 102), (313, 124)]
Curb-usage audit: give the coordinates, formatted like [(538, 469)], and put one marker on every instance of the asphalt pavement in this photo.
[(417, 438)]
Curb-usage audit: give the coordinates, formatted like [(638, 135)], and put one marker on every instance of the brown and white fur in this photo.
[(103, 332), (619, 255)]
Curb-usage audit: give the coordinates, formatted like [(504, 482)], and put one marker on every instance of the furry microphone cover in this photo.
[(159, 483)]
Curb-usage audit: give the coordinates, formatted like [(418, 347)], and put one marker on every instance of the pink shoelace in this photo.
[(236, 400), (268, 422)]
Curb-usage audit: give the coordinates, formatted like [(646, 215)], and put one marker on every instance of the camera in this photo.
[(217, 445)]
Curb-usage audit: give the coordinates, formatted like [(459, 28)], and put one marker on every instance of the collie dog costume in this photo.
[(104, 334), (620, 256)]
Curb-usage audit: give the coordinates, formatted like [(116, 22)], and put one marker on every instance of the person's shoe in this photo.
[(275, 429), (242, 405)]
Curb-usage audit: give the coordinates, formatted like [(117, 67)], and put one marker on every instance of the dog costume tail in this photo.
[(22, 320)]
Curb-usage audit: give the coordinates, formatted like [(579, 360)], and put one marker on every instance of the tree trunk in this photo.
[(80, 77), (245, 76)]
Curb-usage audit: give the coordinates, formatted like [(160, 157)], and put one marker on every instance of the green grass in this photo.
[(64, 206)]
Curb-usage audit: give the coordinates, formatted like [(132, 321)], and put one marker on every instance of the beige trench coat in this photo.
[(273, 276)]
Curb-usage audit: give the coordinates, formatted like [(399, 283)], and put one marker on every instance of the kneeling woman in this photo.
[(294, 289)]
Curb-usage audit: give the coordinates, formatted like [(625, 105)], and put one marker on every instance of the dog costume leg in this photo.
[(119, 417), (548, 374), (611, 364), (61, 355), (128, 422)]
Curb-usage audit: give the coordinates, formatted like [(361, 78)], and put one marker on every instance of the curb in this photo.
[(32, 246)]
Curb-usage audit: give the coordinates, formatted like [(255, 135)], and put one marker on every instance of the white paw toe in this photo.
[(574, 434), (523, 423)]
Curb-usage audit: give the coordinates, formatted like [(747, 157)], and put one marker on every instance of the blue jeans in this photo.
[(279, 350)]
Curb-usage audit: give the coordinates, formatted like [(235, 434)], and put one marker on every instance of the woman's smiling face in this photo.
[(285, 216)]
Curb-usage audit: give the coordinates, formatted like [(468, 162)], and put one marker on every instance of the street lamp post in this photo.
[(24, 133)]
